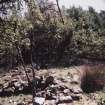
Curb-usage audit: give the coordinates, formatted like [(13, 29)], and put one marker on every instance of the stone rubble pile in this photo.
[(50, 90), (56, 93)]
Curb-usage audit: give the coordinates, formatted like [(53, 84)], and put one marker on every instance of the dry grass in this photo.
[(93, 78)]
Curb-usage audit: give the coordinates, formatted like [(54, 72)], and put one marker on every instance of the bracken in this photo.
[(93, 78)]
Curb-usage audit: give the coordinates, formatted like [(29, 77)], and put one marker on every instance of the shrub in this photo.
[(93, 78)]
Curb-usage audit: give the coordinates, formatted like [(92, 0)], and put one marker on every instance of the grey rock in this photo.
[(76, 97), (39, 100), (62, 104), (66, 91), (77, 90), (75, 79), (14, 80), (21, 104), (50, 102), (9, 90), (65, 99), (6, 85), (17, 84)]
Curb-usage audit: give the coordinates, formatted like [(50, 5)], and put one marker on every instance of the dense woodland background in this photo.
[(39, 31)]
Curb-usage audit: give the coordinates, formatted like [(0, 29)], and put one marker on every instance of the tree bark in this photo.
[(60, 11), (23, 64)]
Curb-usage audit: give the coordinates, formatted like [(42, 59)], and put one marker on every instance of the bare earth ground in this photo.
[(70, 75)]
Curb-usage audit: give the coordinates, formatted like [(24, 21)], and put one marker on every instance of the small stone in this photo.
[(14, 80), (39, 100), (61, 87), (53, 86), (15, 103), (77, 90), (50, 102), (17, 84), (66, 91), (21, 104), (53, 72), (6, 85), (63, 79), (62, 104), (76, 79), (10, 101), (69, 79), (76, 97), (65, 99), (21, 88), (9, 90)]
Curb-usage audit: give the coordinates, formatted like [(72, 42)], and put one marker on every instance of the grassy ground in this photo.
[(59, 73)]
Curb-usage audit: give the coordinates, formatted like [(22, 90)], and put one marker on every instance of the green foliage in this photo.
[(89, 38), (44, 22), (14, 30)]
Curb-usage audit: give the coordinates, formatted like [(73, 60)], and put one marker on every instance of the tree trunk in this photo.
[(23, 64), (60, 11)]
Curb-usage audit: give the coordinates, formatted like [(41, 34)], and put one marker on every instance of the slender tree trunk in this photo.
[(60, 11), (23, 64), (20, 55), (34, 82), (34, 15)]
